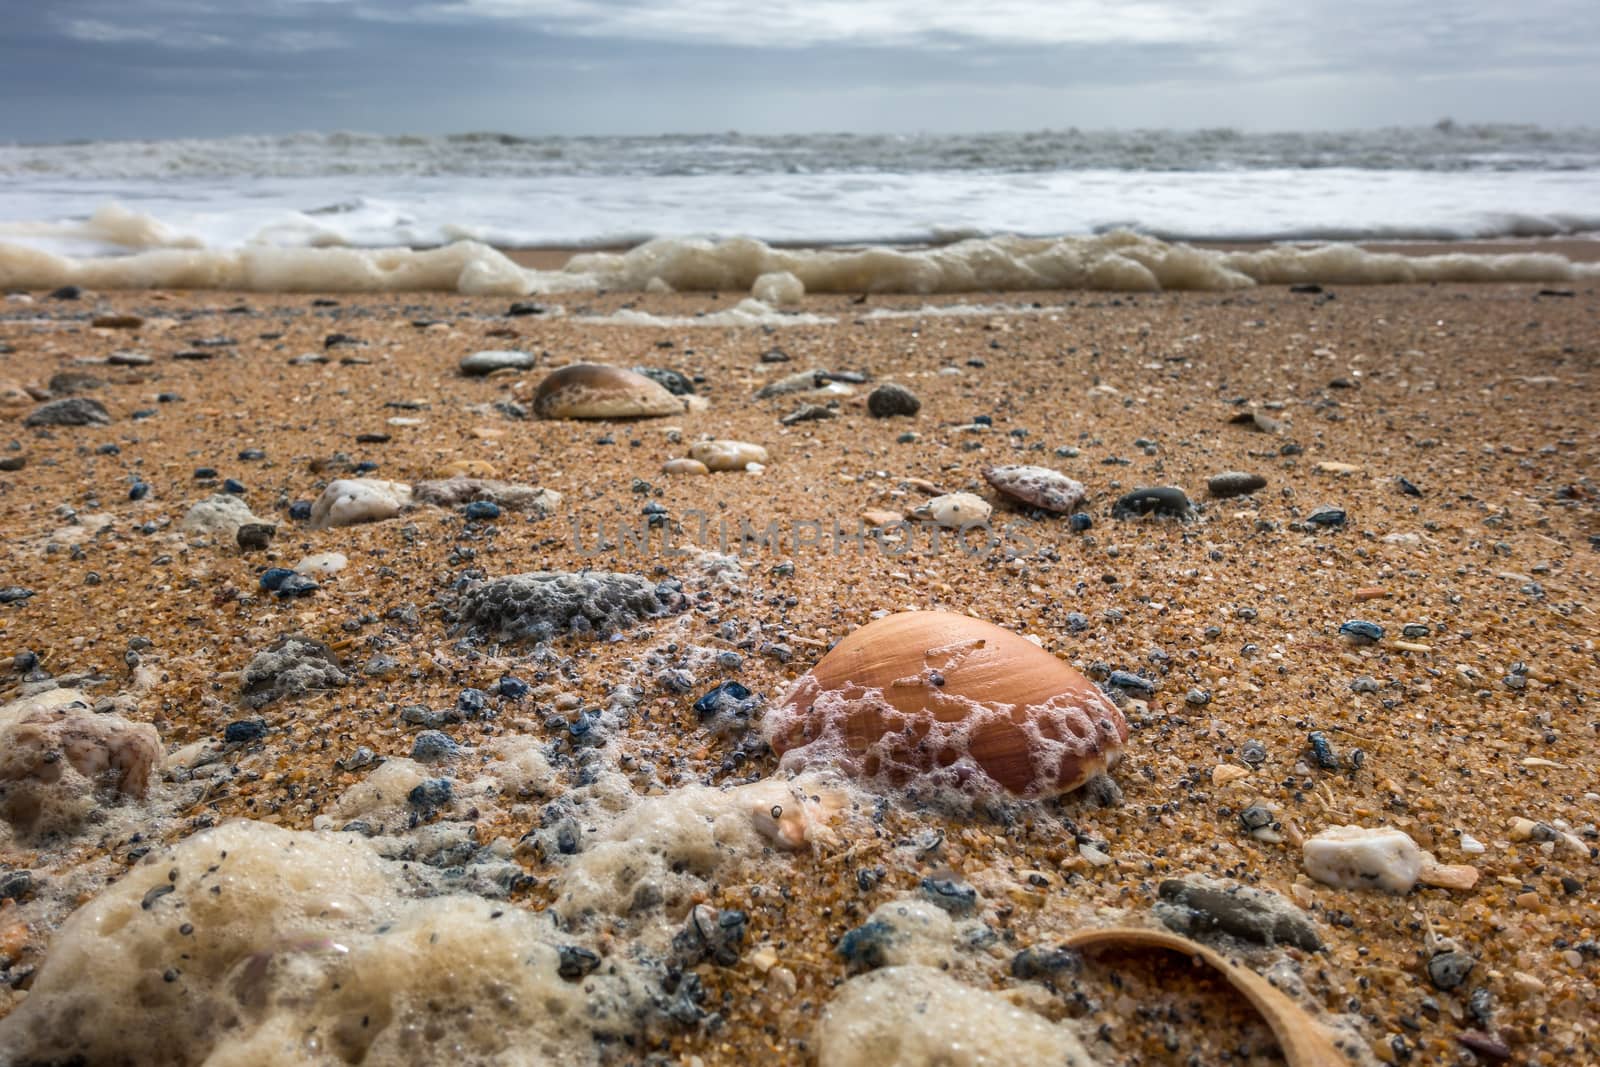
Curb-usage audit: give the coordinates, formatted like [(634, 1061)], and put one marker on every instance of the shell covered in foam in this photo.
[(951, 700)]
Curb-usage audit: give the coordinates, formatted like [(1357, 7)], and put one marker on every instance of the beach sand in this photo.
[(1482, 397)]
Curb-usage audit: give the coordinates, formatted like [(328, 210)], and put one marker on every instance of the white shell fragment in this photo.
[(348, 501), (1039, 486), (727, 455), (322, 565), (955, 510)]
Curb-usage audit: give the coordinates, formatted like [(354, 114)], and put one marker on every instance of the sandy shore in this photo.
[(1482, 714)]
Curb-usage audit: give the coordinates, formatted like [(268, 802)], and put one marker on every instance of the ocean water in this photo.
[(76, 204)]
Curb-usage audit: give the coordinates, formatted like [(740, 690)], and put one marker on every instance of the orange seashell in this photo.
[(929, 695)]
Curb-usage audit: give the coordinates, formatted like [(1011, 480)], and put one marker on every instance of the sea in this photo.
[(236, 205)]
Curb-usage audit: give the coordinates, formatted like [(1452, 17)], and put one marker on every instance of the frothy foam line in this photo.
[(1118, 262)]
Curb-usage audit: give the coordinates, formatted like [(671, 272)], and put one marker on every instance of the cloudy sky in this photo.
[(165, 68)]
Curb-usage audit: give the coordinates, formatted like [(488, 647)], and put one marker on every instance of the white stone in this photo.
[(1355, 857), (348, 501), (727, 455)]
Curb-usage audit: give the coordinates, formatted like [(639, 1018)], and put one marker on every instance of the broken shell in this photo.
[(1303, 1040), (1039, 486), (596, 391), (953, 700), (956, 510)]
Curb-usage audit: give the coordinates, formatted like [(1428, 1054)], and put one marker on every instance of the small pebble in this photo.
[(889, 400)]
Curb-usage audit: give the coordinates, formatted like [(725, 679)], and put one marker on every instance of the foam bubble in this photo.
[(907, 1016)]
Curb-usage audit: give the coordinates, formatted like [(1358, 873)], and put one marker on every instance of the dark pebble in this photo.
[(202, 474), (1415, 630), (1484, 1046), (574, 962), (431, 793), (1249, 914), (726, 696), (1034, 964), (952, 896), (233, 488), (13, 463), (1407, 488), (300, 510), (1322, 751), (255, 536), (432, 746), (73, 411), (480, 510), (473, 704), (1168, 501), (1079, 521), (296, 585), (512, 688), (522, 308), (1448, 970), (12, 594), (1130, 681), (138, 490), (1361, 632), (16, 885), (774, 355), (889, 400), (66, 292), (244, 730), (864, 946), (252, 454), (1330, 517), (1256, 817)]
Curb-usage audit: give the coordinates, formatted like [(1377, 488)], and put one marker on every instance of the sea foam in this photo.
[(1118, 262)]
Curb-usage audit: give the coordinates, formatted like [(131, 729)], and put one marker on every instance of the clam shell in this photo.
[(597, 391), (928, 695)]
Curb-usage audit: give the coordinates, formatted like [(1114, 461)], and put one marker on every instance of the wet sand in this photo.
[(1481, 397)]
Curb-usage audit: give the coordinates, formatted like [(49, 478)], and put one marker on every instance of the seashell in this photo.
[(684, 466), (596, 391), (727, 455), (953, 700), (956, 510), (1039, 486)]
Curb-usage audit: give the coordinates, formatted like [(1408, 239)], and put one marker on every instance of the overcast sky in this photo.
[(167, 68)]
